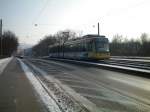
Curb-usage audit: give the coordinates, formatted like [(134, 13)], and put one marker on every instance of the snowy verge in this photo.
[(4, 63), (44, 96), (66, 98)]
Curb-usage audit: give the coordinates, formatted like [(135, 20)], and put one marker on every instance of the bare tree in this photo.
[(144, 38), (41, 49), (9, 43), (130, 47)]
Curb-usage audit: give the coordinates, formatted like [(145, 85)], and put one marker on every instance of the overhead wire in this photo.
[(40, 12), (38, 15)]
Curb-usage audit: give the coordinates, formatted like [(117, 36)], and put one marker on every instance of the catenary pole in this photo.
[(1, 24), (98, 29)]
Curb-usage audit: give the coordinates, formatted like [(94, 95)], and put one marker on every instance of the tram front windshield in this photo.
[(102, 45)]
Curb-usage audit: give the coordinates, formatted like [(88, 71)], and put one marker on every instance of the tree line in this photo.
[(42, 48), (8, 44), (119, 46), (122, 46)]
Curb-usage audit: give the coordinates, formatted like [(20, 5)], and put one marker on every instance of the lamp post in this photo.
[(66, 34)]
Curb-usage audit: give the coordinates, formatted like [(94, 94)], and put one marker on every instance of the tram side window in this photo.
[(70, 48), (56, 49), (89, 46), (82, 47), (52, 49), (66, 48), (78, 47), (49, 50)]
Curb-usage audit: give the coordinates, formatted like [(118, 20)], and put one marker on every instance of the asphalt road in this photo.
[(109, 90)]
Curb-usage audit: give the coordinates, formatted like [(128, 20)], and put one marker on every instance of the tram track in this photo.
[(135, 67), (141, 64)]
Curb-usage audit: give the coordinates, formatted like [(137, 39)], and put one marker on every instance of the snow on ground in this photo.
[(66, 98), (44, 96), (3, 63)]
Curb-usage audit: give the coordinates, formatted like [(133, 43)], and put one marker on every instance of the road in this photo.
[(108, 91)]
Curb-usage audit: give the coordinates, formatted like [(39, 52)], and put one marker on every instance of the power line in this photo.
[(38, 15), (41, 11)]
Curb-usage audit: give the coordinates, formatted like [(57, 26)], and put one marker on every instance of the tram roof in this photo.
[(93, 35), (89, 36)]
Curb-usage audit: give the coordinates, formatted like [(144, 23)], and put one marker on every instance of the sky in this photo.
[(129, 18)]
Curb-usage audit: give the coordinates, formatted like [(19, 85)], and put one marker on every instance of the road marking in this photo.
[(47, 100)]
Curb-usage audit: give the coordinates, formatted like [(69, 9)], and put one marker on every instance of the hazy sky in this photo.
[(126, 17)]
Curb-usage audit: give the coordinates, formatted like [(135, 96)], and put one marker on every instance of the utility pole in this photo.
[(98, 28), (1, 36), (66, 34)]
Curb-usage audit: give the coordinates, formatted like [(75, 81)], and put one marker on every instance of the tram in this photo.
[(88, 47)]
